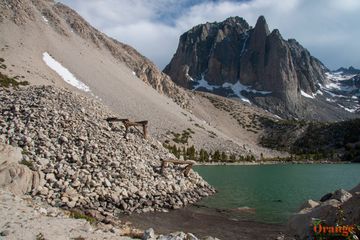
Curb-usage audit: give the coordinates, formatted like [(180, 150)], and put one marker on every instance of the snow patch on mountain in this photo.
[(202, 83), (330, 100), (338, 76), (306, 95), (64, 73), (336, 81), (319, 92), (45, 19), (237, 88), (352, 110)]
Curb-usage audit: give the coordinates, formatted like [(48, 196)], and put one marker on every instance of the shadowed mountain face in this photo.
[(232, 59), (349, 70)]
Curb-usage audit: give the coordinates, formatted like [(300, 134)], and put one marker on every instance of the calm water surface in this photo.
[(274, 192)]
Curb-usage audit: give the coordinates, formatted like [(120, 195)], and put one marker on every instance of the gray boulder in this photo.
[(149, 234), (309, 204), (341, 195), (301, 223), (340, 204)]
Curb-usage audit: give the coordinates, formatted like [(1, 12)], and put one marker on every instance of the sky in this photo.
[(327, 28)]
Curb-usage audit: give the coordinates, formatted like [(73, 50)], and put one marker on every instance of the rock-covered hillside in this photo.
[(232, 59), (47, 34), (81, 162), (66, 22)]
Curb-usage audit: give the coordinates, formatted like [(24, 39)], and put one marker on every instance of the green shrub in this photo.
[(28, 164), (6, 82), (40, 236), (79, 215)]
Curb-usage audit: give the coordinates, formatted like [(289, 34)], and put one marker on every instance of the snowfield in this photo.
[(237, 88), (306, 95), (64, 73)]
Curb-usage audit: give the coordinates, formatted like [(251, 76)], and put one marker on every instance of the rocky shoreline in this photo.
[(25, 218), (340, 208), (64, 153), (254, 163)]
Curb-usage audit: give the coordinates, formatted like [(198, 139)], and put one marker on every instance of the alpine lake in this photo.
[(272, 193)]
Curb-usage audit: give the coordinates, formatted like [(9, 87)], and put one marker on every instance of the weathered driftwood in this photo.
[(186, 170), (127, 123)]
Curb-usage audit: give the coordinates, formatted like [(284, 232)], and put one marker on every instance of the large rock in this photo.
[(9, 154), (300, 225), (149, 234), (309, 204), (341, 195), (15, 177), (342, 206)]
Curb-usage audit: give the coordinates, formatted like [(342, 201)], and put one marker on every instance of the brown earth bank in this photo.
[(203, 221)]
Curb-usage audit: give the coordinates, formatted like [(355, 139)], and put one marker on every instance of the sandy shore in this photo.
[(204, 222)]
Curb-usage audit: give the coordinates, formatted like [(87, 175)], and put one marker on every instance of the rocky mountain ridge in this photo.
[(349, 70), (232, 59)]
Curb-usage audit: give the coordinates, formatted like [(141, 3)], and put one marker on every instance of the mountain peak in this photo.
[(232, 54), (276, 32), (261, 25), (350, 70), (236, 20), (261, 19)]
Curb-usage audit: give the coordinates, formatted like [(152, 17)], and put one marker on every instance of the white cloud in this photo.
[(328, 28), (154, 40)]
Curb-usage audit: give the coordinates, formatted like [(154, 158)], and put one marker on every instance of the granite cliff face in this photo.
[(253, 62), (211, 50)]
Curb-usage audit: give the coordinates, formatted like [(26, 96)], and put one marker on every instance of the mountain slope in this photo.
[(234, 60), (66, 22), (338, 140), (44, 39)]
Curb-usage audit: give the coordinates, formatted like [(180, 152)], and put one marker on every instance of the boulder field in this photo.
[(66, 154)]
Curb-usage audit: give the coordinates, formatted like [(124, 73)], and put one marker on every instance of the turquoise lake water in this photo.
[(274, 192)]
